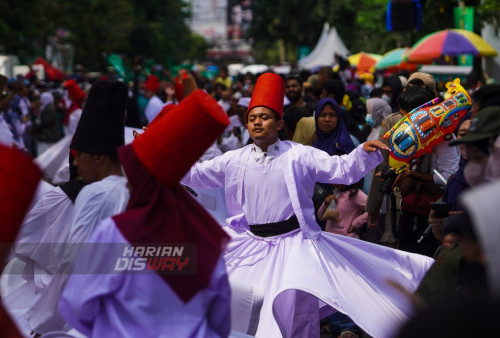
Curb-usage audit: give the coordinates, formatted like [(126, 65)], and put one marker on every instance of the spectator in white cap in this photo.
[(238, 134)]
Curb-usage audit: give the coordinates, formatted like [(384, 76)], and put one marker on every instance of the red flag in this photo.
[(51, 73)]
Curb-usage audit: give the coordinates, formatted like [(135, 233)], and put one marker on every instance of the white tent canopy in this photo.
[(323, 54)]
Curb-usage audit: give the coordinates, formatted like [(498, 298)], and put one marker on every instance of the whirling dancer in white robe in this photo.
[(276, 243), (103, 298), (97, 138)]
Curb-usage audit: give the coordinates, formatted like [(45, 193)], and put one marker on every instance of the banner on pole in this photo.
[(464, 19)]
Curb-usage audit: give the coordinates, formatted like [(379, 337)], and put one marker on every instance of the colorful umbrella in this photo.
[(394, 60), (364, 62), (449, 42)]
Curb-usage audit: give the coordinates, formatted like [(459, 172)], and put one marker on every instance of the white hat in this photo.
[(237, 96), (404, 81), (6, 137), (244, 101)]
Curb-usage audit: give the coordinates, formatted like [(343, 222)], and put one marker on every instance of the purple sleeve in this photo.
[(345, 169), (80, 303), (207, 174)]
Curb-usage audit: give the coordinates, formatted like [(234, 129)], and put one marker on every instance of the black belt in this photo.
[(277, 228)]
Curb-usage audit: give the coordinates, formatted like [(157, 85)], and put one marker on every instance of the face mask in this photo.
[(369, 119), (386, 98), (474, 173)]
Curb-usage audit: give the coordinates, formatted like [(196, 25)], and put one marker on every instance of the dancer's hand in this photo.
[(371, 146), (136, 133)]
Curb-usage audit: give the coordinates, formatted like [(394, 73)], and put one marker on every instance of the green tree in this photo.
[(160, 30), (370, 30), (293, 21), (16, 34), (95, 27), (360, 23), (155, 29), (102, 27)]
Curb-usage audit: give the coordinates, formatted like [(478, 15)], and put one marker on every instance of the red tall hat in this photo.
[(75, 93), (172, 137), (269, 92), (152, 83), (179, 84), (19, 178), (160, 210)]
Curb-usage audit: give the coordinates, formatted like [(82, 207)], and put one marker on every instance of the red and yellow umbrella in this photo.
[(449, 42), (364, 62)]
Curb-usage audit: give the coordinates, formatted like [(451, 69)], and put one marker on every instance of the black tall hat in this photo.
[(101, 127)]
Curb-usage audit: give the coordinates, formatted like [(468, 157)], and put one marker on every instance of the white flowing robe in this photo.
[(39, 245), (154, 106), (306, 273), (95, 202), (138, 304), (44, 232)]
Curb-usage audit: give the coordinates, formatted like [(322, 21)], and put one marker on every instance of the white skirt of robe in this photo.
[(346, 274)]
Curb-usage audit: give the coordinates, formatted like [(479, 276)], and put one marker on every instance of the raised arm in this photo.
[(207, 174), (345, 169)]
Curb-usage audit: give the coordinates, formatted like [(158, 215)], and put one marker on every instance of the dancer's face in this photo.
[(263, 126), (328, 119)]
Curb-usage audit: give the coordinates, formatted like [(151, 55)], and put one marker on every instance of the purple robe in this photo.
[(308, 274), (139, 304)]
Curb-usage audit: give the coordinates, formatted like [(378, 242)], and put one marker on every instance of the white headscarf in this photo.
[(46, 99), (379, 109), (492, 171), (6, 137), (482, 205)]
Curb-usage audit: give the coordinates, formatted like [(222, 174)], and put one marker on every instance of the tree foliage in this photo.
[(157, 29), (153, 29), (160, 29), (488, 12), (361, 23)]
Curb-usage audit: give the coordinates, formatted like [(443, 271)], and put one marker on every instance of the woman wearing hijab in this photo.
[(331, 132), (378, 109), (332, 137), (47, 130)]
